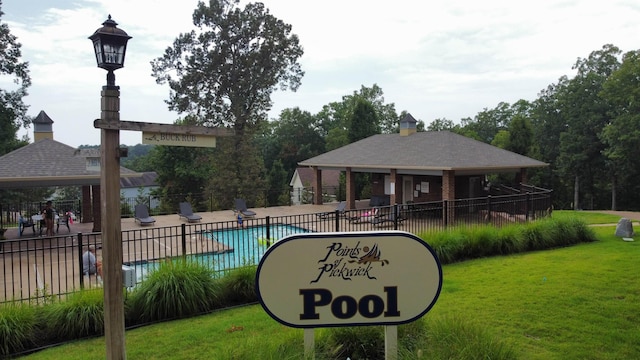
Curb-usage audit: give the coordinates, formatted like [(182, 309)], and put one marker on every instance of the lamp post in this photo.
[(110, 45)]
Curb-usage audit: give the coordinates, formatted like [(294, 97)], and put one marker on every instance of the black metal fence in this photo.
[(36, 269)]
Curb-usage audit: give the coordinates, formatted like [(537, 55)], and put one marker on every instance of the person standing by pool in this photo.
[(240, 220), (47, 215)]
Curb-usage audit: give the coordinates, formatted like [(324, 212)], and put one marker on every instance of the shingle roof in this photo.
[(147, 179), (42, 118), (48, 163), (432, 151), (329, 177)]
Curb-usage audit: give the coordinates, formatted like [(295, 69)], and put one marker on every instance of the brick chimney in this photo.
[(42, 127), (408, 125)]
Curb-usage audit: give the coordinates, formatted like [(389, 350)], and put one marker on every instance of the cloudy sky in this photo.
[(435, 59)]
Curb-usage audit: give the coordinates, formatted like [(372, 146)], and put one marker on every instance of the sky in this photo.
[(435, 59)]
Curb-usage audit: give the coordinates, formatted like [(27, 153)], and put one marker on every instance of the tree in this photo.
[(13, 111), (547, 125), (364, 121), (622, 135), (335, 117), (586, 113), (224, 75), (297, 135), (278, 185), (520, 135), (487, 123), (441, 125)]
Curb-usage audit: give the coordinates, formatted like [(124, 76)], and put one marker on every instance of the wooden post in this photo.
[(317, 195), (111, 227)]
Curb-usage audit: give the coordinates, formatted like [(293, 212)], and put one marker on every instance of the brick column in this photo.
[(393, 178), (351, 189), (523, 176), (449, 193), (317, 187)]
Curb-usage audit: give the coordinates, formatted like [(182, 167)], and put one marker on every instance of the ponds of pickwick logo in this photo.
[(348, 279)]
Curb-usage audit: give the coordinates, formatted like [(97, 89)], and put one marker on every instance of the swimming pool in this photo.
[(248, 244)]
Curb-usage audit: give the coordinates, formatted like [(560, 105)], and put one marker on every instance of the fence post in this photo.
[(488, 208), (184, 241), (526, 206), (268, 222), (337, 217), (396, 213), (80, 262), (445, 213)]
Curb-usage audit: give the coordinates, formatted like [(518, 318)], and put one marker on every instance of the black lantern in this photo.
[(110, 46)]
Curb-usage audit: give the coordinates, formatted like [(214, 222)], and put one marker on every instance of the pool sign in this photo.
[(348, 279)]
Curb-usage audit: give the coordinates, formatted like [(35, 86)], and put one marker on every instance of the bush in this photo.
[(457, 338), (17, 328), (176, 289), (238, 286), (462, 243), (367, 342), (80, 315), (361, 342)]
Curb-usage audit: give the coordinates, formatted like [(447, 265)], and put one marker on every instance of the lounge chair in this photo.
[(341, 208), (387, 220), (142, 215), (187, 213), (363, 216), (241, 207)]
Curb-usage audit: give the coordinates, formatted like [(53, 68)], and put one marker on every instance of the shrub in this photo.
[(361, 342), (17, 328), (176, 289), (461, 243), (79, 315), (458, 338), (238, 286), (367, 342)]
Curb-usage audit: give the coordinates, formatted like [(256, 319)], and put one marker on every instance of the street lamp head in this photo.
[(110, 46)]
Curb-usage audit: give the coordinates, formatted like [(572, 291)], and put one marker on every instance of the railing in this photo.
[(10, 214), (36, 269)]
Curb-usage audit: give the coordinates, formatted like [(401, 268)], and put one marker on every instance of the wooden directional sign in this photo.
[(167, 134), (163, 138)]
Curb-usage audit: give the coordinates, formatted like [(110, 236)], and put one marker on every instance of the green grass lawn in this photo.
[(579, 302), (587, 216)]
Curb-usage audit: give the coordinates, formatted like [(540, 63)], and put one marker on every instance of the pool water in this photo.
[(248, 244)]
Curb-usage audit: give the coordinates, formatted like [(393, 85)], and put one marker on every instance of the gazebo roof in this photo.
[(49, 163), (428, 153)]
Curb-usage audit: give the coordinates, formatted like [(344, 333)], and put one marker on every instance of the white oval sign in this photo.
[(348, 279)]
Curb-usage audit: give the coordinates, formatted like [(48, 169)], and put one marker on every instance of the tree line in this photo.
[(223, 74)]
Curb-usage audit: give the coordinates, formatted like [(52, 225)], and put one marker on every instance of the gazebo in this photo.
[(47, 162), (416, 166)]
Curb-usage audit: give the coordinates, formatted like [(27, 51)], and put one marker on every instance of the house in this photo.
[(133, 187), (413, 166), (302, 185)]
